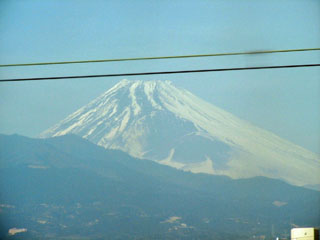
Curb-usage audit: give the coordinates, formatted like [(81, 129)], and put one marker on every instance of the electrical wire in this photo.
[(160, 73), (155, 58)]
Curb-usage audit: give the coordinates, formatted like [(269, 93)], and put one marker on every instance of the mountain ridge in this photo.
[(155, 120), (71, 186)]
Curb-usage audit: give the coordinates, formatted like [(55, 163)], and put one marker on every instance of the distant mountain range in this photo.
[(157, 121), (69, 188)]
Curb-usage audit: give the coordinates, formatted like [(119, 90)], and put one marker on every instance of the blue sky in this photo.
[(286, 102)]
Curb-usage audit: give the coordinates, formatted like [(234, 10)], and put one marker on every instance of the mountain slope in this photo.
[(157, 121), (66, 186)]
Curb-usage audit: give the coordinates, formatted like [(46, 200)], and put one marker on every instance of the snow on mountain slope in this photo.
[(157, 121)]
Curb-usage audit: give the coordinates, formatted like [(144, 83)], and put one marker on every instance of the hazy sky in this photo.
[(286, 102)]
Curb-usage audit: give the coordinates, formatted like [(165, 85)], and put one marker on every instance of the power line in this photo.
[(155, 58), (159, 73)]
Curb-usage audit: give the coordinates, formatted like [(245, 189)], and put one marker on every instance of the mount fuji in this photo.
[(157, 121)]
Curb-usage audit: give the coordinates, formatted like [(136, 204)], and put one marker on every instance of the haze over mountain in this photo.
[(157, 121), (69, 188)]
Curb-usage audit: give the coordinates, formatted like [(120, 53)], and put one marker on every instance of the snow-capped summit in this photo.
[(158, 121)]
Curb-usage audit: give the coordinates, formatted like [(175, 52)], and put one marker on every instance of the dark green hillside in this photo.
[(69, 188)]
